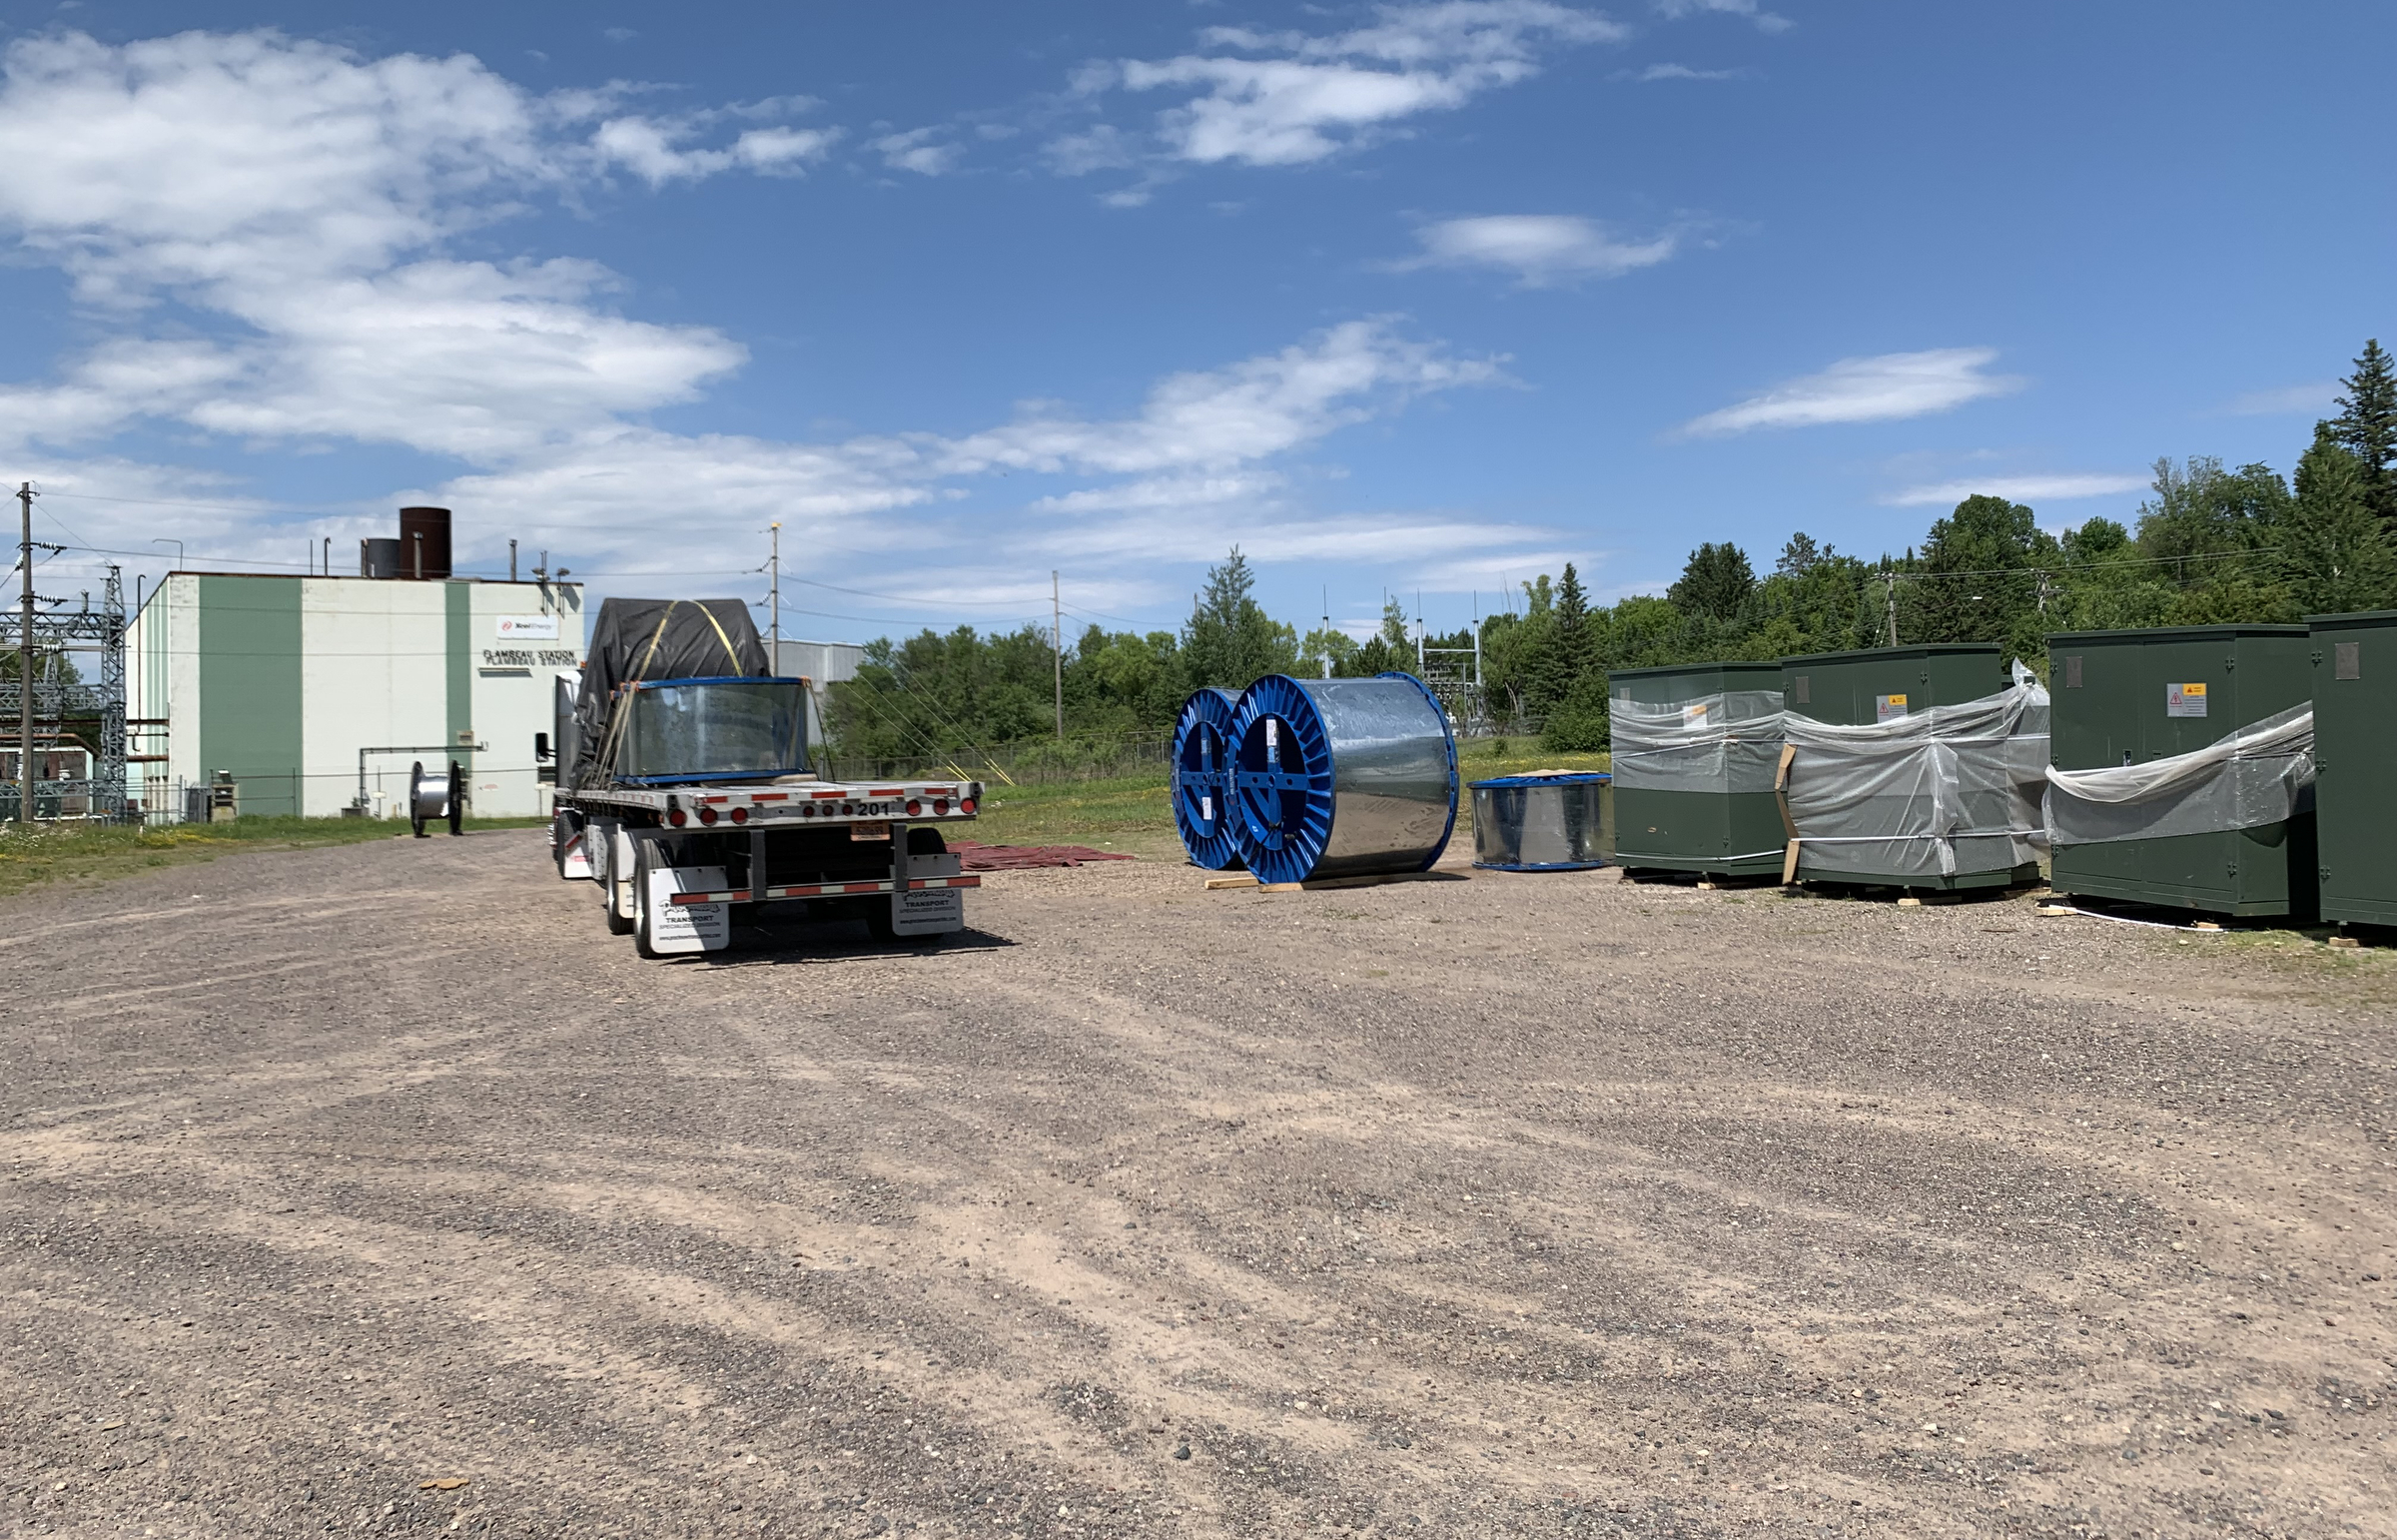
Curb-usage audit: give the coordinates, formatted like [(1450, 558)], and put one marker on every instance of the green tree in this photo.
[(1571, 648), (2367, 427), (1979, 576), (1800, 555), (1715, 584), (2335, 552), (1229, 640)]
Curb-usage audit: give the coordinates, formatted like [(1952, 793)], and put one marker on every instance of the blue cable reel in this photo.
[(1202, 780), (1342, 777)]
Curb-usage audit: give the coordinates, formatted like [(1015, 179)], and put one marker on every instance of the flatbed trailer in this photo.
[(674, 863)]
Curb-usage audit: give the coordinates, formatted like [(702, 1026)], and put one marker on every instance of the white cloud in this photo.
[(2290, 400), (1539, 249), (2024, 488), (919, 150), (1310, 97), (1886, 387), (262, 231), (1684, 72), (1766, 21)]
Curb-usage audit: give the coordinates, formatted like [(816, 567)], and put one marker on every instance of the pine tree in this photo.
[(1715, 584), (1230, 639), (2366, 428), (1569, 649), (1800, 555), (2335, 554)]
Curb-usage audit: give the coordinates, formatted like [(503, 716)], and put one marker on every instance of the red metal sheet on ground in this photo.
[(1019, 858)]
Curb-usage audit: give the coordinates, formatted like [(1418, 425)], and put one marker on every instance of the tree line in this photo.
[(2210, 544)]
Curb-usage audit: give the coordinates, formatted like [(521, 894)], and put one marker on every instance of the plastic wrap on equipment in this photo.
[(2261, 774), (1726, 742), (1946, 790)]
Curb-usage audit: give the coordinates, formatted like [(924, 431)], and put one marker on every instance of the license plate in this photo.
[(869, 831)]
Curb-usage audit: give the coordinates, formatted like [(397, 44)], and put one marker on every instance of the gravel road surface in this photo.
[(378, 1190)]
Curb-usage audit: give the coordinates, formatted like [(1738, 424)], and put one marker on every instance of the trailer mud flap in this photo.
[(929, 910), (673, 927)]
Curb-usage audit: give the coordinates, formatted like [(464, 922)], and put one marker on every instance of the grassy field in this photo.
[(1130, 813), (98, 852)]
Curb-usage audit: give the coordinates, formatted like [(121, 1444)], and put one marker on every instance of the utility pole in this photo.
[(1057, 642), (774, 594), (1889, 588), (25, 665), (1327, 630), (511, 561)]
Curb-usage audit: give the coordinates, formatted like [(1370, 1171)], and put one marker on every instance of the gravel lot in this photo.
[(378, 1190)]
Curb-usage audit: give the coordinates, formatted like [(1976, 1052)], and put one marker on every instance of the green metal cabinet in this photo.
[(1716, 834), (1852, 688), (2354, 659), (1879, 683), (2126, 697)]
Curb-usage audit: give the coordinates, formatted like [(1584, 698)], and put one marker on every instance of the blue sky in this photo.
[(1418, 297)]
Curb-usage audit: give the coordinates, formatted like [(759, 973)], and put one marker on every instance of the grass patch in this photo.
[(74, 852), (1131, 812)]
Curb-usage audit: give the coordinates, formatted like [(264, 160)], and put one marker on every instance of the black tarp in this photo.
[(656, 640)]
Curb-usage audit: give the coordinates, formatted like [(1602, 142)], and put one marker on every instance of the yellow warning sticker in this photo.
[(2184, 700), (1886, 707)]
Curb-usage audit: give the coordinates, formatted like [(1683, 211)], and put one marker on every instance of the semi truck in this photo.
[(689, 791)]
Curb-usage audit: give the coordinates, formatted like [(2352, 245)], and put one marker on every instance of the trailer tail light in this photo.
[(940, 804), (966, 806), (914, 807), (677, 817), (707, 815), (740, 815)]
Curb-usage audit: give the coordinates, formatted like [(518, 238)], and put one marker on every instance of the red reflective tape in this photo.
[(769, 796), (823, 796), (895, 791), (713, 800), (736, 895)]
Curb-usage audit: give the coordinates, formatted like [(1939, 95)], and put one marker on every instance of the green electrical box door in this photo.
[(2354, 660), (2129, 697), (1878, 684), (1715, 833)]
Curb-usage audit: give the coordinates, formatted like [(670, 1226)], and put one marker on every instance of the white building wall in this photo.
[(374, 674), (515, 670)]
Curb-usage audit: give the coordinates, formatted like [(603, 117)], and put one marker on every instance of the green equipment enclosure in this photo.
[(1713, 833), (2354, 660), (1877, 685), (2127, 697)]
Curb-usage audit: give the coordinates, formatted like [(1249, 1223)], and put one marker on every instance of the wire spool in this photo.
[(1202, 780), (1342, 777), (1546, 821), (427, 797)]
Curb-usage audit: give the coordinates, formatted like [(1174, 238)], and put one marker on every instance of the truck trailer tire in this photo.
[(644, 856), (609, 878)]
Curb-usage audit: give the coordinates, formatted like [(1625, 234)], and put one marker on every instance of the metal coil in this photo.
[(1202, 779), (1541, 823), (1342, 777)]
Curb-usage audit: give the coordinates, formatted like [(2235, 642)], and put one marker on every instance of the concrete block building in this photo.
[(315, 694)]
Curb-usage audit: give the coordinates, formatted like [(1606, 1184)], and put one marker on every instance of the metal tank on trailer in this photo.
[(1342, 777), (1544, 820), (1202, 779)]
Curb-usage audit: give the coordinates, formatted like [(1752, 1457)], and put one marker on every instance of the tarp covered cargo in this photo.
[(641, 639)]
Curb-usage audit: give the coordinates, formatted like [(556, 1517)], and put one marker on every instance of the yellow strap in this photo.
[(655, 637), (730, 651)]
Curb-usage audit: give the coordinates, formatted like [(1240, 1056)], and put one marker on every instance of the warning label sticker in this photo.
[(2184, 700), (1886, 707)]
